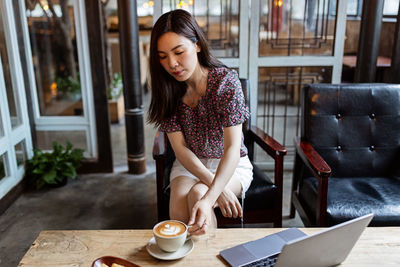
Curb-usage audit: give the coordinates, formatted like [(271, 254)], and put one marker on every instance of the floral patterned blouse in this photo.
[(223, 105)]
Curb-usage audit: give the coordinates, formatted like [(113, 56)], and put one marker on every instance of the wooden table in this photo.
[(80, 248), (350, 63)]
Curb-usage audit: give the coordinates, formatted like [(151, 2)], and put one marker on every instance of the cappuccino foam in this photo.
[(170, 229)]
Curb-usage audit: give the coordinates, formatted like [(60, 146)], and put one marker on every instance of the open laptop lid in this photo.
[(326, 248)]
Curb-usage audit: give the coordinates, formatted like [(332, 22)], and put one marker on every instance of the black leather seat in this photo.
[(347, 159), (263, 200)]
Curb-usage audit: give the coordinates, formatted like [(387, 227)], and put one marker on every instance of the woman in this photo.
[(199, 103)]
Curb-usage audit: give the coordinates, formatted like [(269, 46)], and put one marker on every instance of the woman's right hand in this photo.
[(200, 217), (229, 204)]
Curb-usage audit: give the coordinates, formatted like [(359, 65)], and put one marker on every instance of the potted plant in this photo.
[(115, 99), (69, 87), (53, 168)]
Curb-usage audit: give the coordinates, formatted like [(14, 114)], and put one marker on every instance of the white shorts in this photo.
[(244, 171)]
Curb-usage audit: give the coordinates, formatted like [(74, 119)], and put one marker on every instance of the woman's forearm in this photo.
[(188, 159), (225, 171), (193, 164), (228, 163)]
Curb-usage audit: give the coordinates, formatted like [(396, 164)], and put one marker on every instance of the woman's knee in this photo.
[(180, 188), (197, 192)]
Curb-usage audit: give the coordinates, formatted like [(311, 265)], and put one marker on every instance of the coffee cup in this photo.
[(170, 235)]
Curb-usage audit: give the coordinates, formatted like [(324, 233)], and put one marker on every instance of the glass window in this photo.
[(279, 95), (46, 138), (391, 7), (54, 50), (289, 28), (20, 153), (145, 8), (218, 19), (3, 166), (13, 107), (352, 7)]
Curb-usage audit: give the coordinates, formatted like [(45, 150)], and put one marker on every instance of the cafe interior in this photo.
[(320, 77)]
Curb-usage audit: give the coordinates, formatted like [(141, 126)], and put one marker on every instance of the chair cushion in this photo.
[(262, 192), (352, 197)]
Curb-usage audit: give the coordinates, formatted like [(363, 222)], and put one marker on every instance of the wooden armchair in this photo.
[(263, 200), (347, 158)]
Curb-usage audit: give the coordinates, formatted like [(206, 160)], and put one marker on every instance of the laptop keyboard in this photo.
[(270, 261)]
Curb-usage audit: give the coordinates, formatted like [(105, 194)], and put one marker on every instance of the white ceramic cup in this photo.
[(170, 239)]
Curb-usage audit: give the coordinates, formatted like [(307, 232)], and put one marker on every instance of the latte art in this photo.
[(170, 229)]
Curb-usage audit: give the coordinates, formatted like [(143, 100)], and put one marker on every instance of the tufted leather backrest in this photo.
[(354, 127)]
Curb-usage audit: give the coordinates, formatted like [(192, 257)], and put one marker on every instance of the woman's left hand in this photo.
[(229, 204), (200, 217)]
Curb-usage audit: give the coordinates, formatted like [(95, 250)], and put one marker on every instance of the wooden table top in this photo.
[(80, 248), (351, 61)]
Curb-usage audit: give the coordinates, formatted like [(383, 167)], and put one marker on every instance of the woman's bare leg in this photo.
[(178, 204)]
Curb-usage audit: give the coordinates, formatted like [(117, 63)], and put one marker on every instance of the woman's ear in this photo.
[(198, 48)]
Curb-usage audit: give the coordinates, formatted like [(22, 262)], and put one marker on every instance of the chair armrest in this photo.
[(312, 159), (266, 142), (277, 152), (159, 146), (321, 170), (160, 156)]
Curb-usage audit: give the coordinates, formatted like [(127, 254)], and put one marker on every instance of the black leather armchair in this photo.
[(347, 159), (263, 200)]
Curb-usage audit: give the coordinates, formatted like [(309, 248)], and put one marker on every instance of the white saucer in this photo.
[(156, 252)]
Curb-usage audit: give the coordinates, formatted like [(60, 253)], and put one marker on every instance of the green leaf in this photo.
[(50, 176), (73, 175), (68, 146), (37, 171)]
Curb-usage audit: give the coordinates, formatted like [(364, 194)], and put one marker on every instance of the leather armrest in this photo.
[(159, 146), (312, 159), (266, 142)]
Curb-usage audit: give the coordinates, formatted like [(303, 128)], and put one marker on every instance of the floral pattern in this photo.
[(222, 106)]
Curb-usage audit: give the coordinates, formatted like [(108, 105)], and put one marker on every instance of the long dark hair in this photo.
[(166, 91)]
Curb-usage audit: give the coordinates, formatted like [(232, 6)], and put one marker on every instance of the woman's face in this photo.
[(178, 55)]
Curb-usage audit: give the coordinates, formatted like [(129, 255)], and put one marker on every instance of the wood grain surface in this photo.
[(380, 245)]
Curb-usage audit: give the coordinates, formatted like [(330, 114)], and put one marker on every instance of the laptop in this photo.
[(292, 247)]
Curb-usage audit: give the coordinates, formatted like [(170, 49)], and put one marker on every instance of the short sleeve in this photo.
[(233, 106), (171, 125)]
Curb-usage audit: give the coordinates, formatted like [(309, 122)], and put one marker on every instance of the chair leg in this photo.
[(322, 201), (279, 185), (278, 221), (292, 211), (163, 209), (296, 174)]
